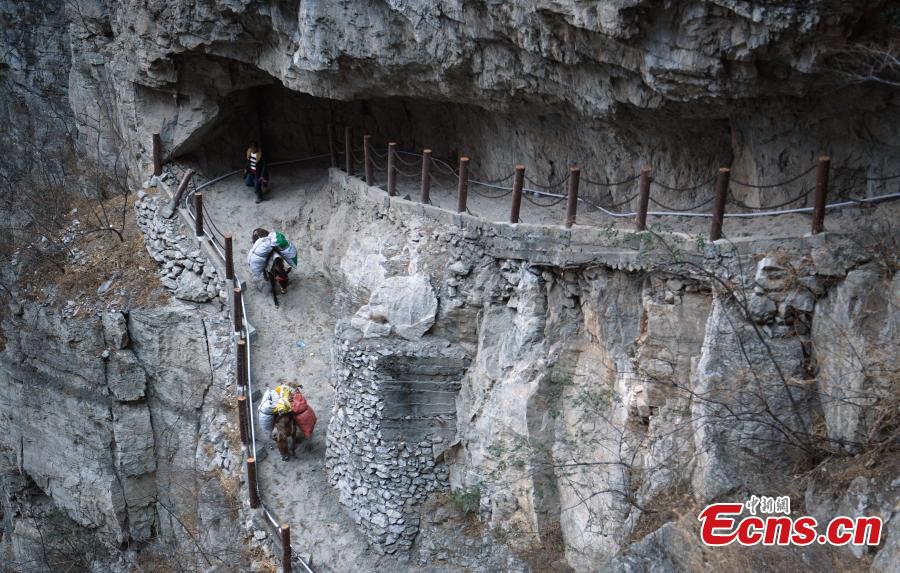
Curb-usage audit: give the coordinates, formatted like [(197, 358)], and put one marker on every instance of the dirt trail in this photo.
[(297, 491)]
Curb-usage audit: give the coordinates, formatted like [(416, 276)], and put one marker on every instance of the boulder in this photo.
[(761, 309), (770, 274), (460, 268), (407, 303), (190, 287), (855, 336)]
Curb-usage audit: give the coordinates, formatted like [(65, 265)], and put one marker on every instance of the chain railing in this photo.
[(434, 169)]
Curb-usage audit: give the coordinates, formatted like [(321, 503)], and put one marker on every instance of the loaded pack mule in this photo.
[(287, 417), (276, 273), (272, 257), (286, 436)]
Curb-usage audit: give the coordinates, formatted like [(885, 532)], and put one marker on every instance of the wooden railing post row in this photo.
[(251, 483), (463, 186), (426, 177), (367, 154), (198, 214), (718, 213), (348, 150), (229, 258), (285, 531), (332, 148), (392, 169), (640, 222), (242, 418), (818, 220), (572, 202), (157, 155), (518, 183)]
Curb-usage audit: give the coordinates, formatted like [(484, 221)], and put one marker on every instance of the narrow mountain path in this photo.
[(297, 491)]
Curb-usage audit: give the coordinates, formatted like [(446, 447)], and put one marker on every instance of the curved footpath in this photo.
[(297, 491)]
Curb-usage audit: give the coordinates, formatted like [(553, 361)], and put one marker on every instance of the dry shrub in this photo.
[(104, 254), (152, 561), (550, 553), (266, 564), (670, 505)]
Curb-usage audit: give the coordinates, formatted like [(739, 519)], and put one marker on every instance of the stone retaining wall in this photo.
[(387, 433), (185, 270)]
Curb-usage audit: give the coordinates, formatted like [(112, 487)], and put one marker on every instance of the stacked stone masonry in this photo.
[(184, 269), (383, 449)]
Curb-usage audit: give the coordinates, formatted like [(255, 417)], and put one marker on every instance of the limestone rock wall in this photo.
[(611, 381), (855, 337), (594, 372), (34, 103), (117, 420)]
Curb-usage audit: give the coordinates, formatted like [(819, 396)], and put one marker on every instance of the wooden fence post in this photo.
[(229, 258), (392, 169), (818, 222), (463, 187), (242, 417), (572, 202), (237, 311), (198, 214), (332, 149), (182, 187), (426, 177), (348, 150), (367, 154), (640, 223), (172, 207), (251, 483), (241, 351), (518, 182), (718, 214), (285, 530), (157, 155)]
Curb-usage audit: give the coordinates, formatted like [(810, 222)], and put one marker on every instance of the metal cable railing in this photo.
[(684, 212), (543, 190)]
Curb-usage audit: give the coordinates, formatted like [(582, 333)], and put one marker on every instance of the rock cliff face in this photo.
[(117, 420), (684, 87), (603, 395), (586, 394)]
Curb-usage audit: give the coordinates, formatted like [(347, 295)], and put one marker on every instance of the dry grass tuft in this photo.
[(103, 255)]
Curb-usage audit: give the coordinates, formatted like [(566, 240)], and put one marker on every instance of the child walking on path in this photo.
[(256, 174)]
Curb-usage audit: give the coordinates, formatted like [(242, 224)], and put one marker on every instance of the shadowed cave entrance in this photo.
[(222, 104)]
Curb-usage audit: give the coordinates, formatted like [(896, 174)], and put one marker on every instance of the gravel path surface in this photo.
[(297, 491)]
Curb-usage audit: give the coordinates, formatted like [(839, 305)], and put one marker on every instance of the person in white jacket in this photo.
[(266, 412), (263, 244)]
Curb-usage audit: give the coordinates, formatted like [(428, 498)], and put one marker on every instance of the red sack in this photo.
[(304, 416)]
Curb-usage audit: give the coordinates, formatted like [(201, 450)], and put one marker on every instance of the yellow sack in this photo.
[(283, 406)]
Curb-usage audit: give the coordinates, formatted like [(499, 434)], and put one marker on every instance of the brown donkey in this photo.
[(286, 431)]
